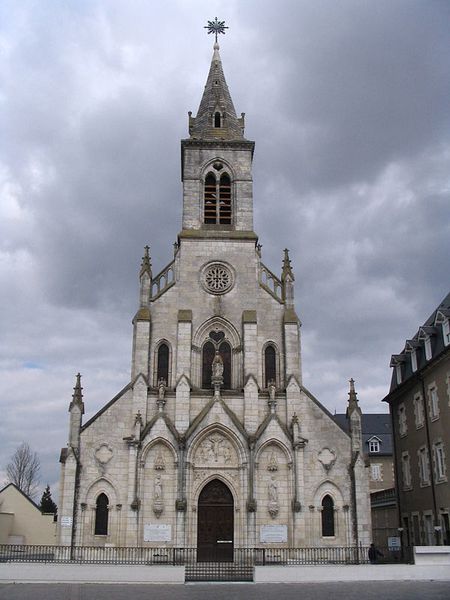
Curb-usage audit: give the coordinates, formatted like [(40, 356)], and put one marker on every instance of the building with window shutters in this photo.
[(419, 401), (214, 443)]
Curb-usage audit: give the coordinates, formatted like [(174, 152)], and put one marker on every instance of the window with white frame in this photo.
[(375, 472), (424, 470), (414, 360), (406, 471), (428, 353), (402, 424), (434, 402), (439, 459), (374, 445), (419, 413), (446, 331)]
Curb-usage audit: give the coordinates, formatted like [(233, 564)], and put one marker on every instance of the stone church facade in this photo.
[(214, 443)]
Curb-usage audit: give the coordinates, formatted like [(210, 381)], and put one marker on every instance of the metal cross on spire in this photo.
[(216, 27)]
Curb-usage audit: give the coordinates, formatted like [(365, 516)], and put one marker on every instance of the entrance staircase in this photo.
[(218, 571)]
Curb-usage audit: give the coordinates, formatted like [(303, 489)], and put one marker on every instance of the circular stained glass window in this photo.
[(217, 278)]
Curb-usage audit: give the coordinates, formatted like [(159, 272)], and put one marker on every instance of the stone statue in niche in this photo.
[(161, 401), (273, 506), (217, 366), (158, 504)]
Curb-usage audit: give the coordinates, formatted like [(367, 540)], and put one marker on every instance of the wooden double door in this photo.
[(215, 529)]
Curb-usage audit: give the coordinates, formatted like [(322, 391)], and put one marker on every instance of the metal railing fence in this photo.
[(247, 557)]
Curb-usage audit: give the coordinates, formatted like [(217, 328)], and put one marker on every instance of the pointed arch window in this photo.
[(217, 119), (270, 365), (162, 368), (209, 351), (217, 200), (101, 515), (327, 516)]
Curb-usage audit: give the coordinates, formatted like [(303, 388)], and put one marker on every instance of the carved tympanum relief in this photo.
[(215, 451)]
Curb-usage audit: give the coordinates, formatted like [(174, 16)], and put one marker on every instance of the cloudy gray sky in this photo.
[(348, 104)]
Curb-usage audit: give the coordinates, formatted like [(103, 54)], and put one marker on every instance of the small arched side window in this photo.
[(101, 515), (217, 120), (210, 199), (327, 516), (270, 366), (162, 367), (209, 352)]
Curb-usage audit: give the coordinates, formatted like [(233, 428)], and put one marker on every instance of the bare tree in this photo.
[(23, 470)]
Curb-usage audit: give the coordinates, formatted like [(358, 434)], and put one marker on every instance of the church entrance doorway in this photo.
[(215, 529)]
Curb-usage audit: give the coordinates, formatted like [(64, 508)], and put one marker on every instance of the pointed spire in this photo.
[(146, 264), (352, 398), (216, 117), (77, 396), (287, 269)]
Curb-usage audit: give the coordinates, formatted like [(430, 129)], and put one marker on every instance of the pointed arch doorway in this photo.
[(215, 525)]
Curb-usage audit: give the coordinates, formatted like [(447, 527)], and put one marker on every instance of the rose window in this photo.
[(217, 278)]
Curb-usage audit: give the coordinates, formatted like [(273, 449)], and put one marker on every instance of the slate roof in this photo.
[(432, 328), (377, 424), (216, 98)]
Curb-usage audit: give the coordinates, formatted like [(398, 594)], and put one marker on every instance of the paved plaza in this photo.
[(414, 590)]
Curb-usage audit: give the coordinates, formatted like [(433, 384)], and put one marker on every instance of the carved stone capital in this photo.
[(251, 505), (136, 504), (181, 504)]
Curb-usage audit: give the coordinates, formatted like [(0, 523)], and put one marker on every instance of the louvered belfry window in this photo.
[(217, 199), (210, 199), (225, 200)]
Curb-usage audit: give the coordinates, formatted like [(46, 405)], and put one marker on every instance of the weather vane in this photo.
[(216, 27)]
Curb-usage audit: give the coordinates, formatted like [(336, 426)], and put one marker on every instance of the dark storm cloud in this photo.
[(348, 105)]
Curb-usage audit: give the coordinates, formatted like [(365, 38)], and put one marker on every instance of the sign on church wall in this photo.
[(157, 532), (273, 534), (66, 521)]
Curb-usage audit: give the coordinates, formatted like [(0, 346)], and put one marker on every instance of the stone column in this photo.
[(181, 502), (133, 500)]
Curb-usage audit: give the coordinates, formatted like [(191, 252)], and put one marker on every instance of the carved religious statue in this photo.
[(273, 506), (217, 366), (158, 505)]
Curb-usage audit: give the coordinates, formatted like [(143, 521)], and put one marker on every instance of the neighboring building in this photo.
[(21, 520), (377, 446), (378, 449), (419, 401), (215, 443)]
